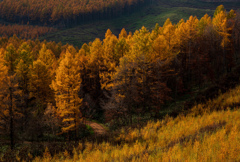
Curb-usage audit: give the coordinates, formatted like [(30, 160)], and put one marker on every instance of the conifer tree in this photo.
[(48, 58), (231, 14), (204, 22), (110, 59), (8, 93), (11, 58), (219, 9), (96, 67), (66, 87), (186, 34), (220, 25), (137, 84), (169, 34), (108, 45), (121, 48), (25, 59), (122, 34), (40, 81)]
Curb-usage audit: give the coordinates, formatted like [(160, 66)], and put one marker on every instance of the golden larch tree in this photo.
[(8, 93), (66, 87)]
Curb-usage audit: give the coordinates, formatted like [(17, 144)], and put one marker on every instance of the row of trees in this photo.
[(53, 88), (25, 31), (65, 11)]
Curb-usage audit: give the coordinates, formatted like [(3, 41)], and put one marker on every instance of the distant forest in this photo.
[(65, 12), (25, 31)]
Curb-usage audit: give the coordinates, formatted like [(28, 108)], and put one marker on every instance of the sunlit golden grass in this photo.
[(211, 136)]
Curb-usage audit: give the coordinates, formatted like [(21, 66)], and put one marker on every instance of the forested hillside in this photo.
[(49, 90), (25, 31), (65, 11), (78, 22), (148, 15)]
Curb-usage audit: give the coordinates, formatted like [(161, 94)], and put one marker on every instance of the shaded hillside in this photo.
[(205, 94), (84, 28), (148, 16)]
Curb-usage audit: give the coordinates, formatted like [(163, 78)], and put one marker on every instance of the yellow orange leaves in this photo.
[(178, 140)]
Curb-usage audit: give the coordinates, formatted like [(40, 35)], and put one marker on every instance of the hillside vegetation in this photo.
[(148, 17), (207, 137), (25, 31), (52, 89), (155, 12), (76, 28), (64, 11)]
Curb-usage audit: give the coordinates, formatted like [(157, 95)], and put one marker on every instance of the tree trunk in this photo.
[(11, 119)]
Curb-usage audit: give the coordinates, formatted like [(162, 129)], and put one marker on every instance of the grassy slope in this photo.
[(208, 137), (88, 32), (148, 17)]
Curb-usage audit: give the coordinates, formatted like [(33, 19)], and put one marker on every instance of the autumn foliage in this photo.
[(207, 137), (65, 11), (49, 88), (25, 31)]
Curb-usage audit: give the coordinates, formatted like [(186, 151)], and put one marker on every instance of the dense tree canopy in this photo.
[(66, 11), (25, 31)]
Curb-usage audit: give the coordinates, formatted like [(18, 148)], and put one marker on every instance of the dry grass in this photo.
[(207, 137)]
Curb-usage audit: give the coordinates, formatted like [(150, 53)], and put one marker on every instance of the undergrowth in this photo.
[(209, 135)]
